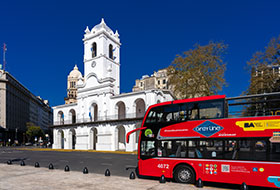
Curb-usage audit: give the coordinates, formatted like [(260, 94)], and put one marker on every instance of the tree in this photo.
[(265, 78), (199, 71), (33, 131)]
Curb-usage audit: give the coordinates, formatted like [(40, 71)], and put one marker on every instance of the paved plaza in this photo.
[(28, 177)]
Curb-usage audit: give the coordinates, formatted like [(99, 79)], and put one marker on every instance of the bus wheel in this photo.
[(184, 174)]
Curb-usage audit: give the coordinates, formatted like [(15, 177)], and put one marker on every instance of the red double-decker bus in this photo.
[(195, 139)]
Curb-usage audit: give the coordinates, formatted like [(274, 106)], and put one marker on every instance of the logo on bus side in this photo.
[(208, 128), (259, 125)]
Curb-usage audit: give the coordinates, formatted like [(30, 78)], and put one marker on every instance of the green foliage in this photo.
[(33, 131), (199, 71)]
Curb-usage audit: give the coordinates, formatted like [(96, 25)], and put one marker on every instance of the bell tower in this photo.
[(102, 59)]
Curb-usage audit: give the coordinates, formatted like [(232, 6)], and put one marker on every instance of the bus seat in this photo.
[(198, 153), (234, 155), (178, 152)]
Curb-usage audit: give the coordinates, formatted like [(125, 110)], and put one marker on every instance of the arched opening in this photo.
[(93, 112), (120, 138), (121, 110), (72, 116), (110, 51), (60, 139), (93, 138), (140, 107), (94, 50), (60, 118), (72, 137)]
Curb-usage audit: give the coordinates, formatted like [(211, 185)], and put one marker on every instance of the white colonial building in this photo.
[(101, 117)]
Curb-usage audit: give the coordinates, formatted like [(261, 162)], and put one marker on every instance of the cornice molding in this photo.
[(95, 88), (100, 33), (100, 56)]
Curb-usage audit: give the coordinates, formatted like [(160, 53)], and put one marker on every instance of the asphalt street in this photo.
[(96, 162)]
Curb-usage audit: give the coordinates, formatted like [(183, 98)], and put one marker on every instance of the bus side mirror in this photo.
[(127, 138), (129, 133)]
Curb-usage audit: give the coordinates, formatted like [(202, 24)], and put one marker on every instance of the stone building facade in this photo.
[(19, 106), (158, 80)]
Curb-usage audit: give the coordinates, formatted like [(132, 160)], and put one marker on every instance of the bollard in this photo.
[(199, 183), (85, 170), (22, 163), (9, 162), (51, 166), (244, 186), (37, 165), (107, 172), (162, 179), (132, 175), (66, 169)]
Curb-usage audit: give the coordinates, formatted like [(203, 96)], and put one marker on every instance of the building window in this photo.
[(110, 51), (164, 81), (94, 50), (158, 82)]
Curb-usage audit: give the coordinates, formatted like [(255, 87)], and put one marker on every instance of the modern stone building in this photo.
[(100, 117), (19, 106), (158, 80)]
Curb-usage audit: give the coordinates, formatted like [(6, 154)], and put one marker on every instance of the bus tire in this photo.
[(184, 174)]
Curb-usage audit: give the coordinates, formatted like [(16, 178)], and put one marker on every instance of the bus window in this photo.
[(206, 110), (260, 150), (211, 110), (172, 149), (151, 118), (275, 152), (163, 114), (214, 149), (148, 148), (193, 111)]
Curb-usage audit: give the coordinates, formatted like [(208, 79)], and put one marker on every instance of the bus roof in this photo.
[(214, 97)]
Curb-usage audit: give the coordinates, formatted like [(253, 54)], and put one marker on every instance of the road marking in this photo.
[(129, 159), (107, 158), (63, 161), (106, 164)]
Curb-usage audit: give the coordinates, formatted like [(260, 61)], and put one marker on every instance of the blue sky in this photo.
[(44, 38)]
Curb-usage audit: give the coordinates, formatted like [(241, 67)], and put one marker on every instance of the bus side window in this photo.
[(275, 151), (148, 148)]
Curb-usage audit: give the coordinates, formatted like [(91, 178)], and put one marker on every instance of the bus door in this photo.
[(148, 163), (154, 158)]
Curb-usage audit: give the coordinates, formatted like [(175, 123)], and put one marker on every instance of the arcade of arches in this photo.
[(103, 136)]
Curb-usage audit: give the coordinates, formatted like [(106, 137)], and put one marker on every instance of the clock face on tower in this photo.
[(93, 64)]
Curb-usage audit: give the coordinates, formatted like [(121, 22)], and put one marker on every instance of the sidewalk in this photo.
[(27, 177)]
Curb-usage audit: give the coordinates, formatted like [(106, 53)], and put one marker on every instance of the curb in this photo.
[(71, 150)]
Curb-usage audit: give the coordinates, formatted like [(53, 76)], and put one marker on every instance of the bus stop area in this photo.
[(28, 177)]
